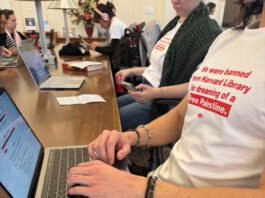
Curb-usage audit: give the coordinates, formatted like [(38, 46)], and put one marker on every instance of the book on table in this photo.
[(84, 66)]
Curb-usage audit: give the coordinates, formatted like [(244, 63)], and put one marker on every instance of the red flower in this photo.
[(88, 16)]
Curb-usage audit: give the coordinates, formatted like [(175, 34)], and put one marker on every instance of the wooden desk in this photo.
[(28, 34), (76, 39), (57, 125)]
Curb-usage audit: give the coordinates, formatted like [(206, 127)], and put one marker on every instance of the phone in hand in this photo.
[(84, 42), (128, 86)]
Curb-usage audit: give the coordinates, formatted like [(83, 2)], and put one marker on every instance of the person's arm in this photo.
[(110, 49), (163, 130), (163, 189), (95, 179), (7, 53), (13, 50), (149, 93)]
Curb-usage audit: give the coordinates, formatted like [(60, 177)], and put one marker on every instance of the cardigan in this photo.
[(186, 51)]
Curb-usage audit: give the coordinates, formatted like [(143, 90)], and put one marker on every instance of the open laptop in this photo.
[(18, 60), (27, 169), (41, 74), (12, 64)]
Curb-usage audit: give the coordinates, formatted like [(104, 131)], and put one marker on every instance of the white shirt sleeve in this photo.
[(116, 32), (116, 29)]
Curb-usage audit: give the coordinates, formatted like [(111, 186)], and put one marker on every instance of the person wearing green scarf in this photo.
[(180, 48)]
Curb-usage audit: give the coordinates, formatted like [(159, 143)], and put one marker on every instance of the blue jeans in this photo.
[(132, 113)]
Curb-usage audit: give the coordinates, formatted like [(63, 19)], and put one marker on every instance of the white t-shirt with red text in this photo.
[(223, 138), (154, 71)]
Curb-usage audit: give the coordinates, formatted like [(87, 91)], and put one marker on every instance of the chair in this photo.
[(150, 34)]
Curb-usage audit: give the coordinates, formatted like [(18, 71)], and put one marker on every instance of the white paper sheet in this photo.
[(84, 64), (81, 99)]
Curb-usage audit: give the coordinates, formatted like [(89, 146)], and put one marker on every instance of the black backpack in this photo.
[(75, 49), (127, 51)]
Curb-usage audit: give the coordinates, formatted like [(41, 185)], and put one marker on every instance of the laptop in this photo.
[(12, 64), (27, 169), (18, 61), (41, 74)]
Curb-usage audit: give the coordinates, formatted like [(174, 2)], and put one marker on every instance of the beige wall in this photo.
[(219, 12), (129, 11)]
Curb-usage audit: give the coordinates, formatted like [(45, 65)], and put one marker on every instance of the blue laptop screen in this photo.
[(19, 150), (35, 64)]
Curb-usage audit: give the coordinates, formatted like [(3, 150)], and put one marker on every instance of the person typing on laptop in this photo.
[(27, 168), (220, 152)]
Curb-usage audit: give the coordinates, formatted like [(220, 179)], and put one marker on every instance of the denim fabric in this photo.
[(132, 113)]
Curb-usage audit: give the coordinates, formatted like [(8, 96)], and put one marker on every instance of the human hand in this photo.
[(7, 53), (97, 179), (104, 146), (14, 51), (146, 95), (125, 73), (93, 45)]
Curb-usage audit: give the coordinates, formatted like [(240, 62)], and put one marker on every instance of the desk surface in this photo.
[(76, 39), (57, 125)]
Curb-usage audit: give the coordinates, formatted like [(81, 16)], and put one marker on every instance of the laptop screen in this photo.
[(19, 149), (34, 63)]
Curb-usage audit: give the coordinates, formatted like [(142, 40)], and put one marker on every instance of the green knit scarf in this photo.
[(186, 51)]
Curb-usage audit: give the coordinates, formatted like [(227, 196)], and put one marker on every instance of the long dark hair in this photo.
[(109, 8), (8, 13), (1, 13), (248, 9)]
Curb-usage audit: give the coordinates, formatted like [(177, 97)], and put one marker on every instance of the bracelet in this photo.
[(138, 136), (148, 133), (152, 187), (148, 186)]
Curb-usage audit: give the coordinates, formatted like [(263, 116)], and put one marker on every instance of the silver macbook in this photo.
[(19, 60), (12, 64), (27, 169), (41, 74)]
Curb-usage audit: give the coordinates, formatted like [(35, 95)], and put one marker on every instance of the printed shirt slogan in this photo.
[(163, 44), (209, 98)]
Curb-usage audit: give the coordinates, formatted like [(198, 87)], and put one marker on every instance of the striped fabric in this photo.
[(10, 43)]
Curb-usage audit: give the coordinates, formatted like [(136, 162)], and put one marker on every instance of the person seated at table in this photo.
[(6, 52), (212, 7), (13, 37), (181, 47), (221, 150), (106, 17)]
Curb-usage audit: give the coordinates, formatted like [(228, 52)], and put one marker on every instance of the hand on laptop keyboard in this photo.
[(109, 142), (98, 179)]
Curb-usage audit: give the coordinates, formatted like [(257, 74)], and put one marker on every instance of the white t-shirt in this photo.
[(116, 29), (154, 71), (223, 138)]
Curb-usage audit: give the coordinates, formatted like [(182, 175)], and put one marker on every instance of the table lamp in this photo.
[(65, 5), (47, 57)]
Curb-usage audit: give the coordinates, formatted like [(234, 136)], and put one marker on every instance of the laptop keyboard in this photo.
[(59, 163), (62, 82)]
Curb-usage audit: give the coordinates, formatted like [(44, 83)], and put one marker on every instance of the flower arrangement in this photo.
[(86, 12)]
